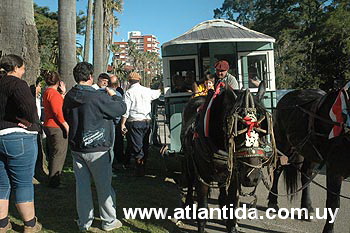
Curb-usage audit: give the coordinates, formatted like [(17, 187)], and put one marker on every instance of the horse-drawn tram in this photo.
[(227, 135), (249, 53)]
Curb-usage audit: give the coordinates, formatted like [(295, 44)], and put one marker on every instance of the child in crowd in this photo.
[(206, 86)]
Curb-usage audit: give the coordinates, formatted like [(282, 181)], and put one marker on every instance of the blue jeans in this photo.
[(98, 166), (18, 153)]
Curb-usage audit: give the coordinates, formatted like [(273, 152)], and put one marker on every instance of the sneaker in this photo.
[(36, 228), (6, 228), (117, 224)]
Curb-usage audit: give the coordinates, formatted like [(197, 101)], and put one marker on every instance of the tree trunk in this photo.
[(88, 31), (18, 34), (107, 54), (98, 38), (67, 40)]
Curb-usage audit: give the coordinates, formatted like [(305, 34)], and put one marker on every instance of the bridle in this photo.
[(241, 151)]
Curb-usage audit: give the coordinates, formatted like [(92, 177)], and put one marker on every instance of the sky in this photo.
[(166, 19)]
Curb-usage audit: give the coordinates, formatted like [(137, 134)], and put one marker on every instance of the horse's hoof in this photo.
[(327, 229), (310, 209), (308, 218), (233, 229), (273, 206)]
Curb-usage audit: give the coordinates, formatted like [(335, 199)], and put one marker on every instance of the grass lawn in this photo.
[(56, 207)]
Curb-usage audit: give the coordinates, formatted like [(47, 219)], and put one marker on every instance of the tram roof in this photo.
[(219, 30)]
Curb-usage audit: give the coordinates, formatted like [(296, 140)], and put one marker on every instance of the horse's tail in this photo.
[(291, 179)]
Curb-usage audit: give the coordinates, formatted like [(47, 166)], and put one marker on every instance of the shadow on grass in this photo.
[(150, 191), (55, 208)]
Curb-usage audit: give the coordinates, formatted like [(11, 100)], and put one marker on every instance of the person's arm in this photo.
[(111, 105), (122, 126), (195, 87), (127, 100), (25, 102), (232, 82), (56, 104), (155, 94)]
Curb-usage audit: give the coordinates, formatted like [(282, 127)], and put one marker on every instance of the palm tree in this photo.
[(134, 54), (110, 22), (67, 40), (98, 37), (88, 31), (19, 34)]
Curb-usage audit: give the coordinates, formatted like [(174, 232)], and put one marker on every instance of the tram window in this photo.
[(182, 73), (258, 71)]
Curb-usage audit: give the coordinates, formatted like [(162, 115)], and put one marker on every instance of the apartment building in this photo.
[(143, 43)]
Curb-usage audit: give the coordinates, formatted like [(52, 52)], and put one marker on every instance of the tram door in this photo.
[(257, 66)]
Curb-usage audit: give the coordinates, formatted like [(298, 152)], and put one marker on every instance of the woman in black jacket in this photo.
[(18, 143)]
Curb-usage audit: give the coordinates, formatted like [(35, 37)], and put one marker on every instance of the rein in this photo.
[(330, 122), (311, 179)]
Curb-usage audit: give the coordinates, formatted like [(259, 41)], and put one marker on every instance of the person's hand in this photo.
[(23, 123), (124, 130), (22, 126), (284, 160), (62, 88), (110, 91)]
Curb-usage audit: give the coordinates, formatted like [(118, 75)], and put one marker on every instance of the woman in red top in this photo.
[(56, 127)]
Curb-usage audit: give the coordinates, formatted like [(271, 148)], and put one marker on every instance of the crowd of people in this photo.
[(188, 83), (90, 119)]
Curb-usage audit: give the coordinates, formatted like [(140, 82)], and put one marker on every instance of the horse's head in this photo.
[(247, 126)]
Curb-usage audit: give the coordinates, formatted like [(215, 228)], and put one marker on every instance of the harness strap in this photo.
[(322, 118), (315, 107)]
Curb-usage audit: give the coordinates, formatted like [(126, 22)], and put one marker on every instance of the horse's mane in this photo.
[(226, 104)]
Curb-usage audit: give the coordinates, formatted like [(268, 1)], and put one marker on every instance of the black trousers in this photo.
[(40, 165), (118, 149), (138, 139)]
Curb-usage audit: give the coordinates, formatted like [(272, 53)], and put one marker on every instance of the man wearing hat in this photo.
[(221, 68), (137, 119)]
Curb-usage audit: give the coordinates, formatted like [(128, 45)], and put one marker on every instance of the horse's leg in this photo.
[(306, 170), (232, 202), (334, 185), (202, 199), (273, 203), (189, 195), (222, 196), (189, 177)]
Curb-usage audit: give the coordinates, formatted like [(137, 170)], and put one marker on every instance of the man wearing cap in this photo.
[(137, 119), (118, 147), (221, 68), (102, 81)]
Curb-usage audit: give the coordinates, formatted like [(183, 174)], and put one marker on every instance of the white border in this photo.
[(166, 73), (270, 63)]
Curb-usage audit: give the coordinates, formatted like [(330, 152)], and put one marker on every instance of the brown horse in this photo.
[(302, 125), (228, 150)]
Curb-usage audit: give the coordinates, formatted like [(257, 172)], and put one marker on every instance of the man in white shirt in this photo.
[(137, 119)]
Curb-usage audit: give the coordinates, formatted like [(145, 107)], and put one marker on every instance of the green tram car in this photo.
[(249, 53)]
